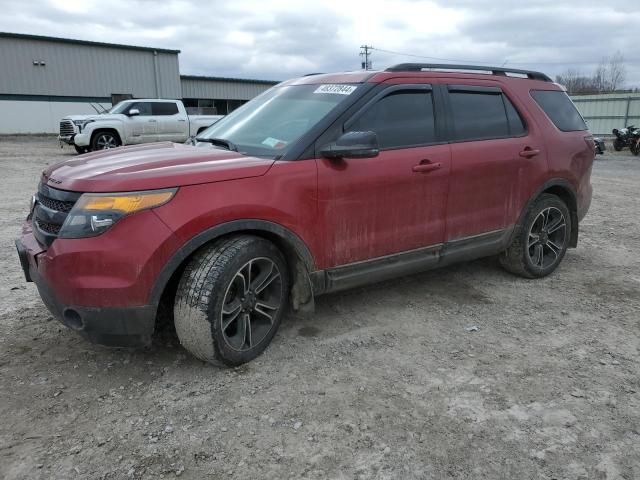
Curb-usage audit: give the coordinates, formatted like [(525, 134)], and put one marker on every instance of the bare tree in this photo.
[(577, 83), (616, 71), (608, 76), (600, 77)]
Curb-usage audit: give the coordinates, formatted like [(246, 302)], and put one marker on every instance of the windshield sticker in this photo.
[(274, 143), (336, 89)]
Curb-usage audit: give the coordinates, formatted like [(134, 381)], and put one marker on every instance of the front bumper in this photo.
[(110, 326), (68, 139), (78, 139)]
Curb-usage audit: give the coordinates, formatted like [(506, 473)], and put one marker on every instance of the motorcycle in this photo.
[(624, 137), (634, 144)]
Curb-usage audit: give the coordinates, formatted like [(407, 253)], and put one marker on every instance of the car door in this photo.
[(497, 154), (172, 125), (142, 128), (396, 201)]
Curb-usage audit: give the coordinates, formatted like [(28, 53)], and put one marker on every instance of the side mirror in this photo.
[(353, 145), (133, 112)]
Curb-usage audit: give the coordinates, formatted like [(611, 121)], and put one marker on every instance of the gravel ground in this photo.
[(385, 382)]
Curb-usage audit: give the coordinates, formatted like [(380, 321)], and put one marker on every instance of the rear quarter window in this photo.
[(560, 110)]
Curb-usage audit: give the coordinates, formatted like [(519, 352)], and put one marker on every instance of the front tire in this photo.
[(230, 300), (104, 141), (541, 242), (81, 150)]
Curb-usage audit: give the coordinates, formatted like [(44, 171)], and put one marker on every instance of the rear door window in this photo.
[(560, 109), (164, 108), (478, 115), (403, 118)]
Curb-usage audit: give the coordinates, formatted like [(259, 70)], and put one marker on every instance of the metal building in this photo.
[(607, 111), (219, 94), (43, 79)]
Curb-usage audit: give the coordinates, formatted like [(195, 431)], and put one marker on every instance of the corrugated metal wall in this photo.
[(223, 89), (605, 112), (85, 70)]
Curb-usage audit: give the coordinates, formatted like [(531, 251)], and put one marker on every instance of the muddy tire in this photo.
[(540, 243), (230, 300)]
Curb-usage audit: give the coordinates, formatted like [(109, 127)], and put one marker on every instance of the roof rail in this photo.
[(418, 67)]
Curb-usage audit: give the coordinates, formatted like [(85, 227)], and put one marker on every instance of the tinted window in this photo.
[(478, 115), (401, 119), (516, 125), (560, 110), (164, 108), (144, 107)]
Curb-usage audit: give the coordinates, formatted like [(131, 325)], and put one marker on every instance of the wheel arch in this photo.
[(105, 129), (291, 245), (563, 189)]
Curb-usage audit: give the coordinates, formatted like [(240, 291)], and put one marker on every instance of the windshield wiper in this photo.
[(221, 142)]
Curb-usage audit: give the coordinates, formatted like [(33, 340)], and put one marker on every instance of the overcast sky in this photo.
[(278, 39)]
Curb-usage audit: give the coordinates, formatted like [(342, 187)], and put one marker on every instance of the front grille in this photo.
[(66, 128), (50, 212), (59, 205)]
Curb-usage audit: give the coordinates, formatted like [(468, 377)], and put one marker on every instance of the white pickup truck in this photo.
[(132, 122)]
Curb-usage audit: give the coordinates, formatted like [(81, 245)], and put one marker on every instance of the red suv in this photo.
[(322, 183)]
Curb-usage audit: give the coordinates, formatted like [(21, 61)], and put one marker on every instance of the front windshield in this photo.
[(119, 107), (270, 123)]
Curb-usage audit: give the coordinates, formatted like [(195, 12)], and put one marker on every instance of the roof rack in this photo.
[(418, 67)]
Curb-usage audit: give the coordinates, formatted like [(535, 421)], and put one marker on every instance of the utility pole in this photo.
[(365, 53)]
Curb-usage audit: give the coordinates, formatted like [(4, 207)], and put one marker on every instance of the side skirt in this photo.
[(413, 261)]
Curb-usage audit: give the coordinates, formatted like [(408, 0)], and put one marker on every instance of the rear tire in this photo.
[(635, 148), (618, 145), (230, 300), (540, 243)]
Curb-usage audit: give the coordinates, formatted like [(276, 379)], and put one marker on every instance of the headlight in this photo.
[(95, 213), (82, 123)]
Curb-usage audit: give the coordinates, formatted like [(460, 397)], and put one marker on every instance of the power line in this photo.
[(458, 60)]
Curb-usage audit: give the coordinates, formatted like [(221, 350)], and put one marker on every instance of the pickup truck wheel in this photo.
[(104, 141), (81, 150), (230, 300), (542, 240)]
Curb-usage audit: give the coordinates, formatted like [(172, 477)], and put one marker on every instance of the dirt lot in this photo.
[(384, 382)]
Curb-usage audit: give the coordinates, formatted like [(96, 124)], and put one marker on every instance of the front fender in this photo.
[(288, 241), (116, 125)]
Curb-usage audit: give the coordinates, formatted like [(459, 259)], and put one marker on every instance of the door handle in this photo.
[(426, 166), (153, 121), (181, 120), (529, 152)]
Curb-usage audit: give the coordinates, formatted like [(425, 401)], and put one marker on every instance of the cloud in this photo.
[(279, 39)]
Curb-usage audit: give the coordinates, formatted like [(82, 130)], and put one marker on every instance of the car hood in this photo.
[(104, 116), (151, 166)]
